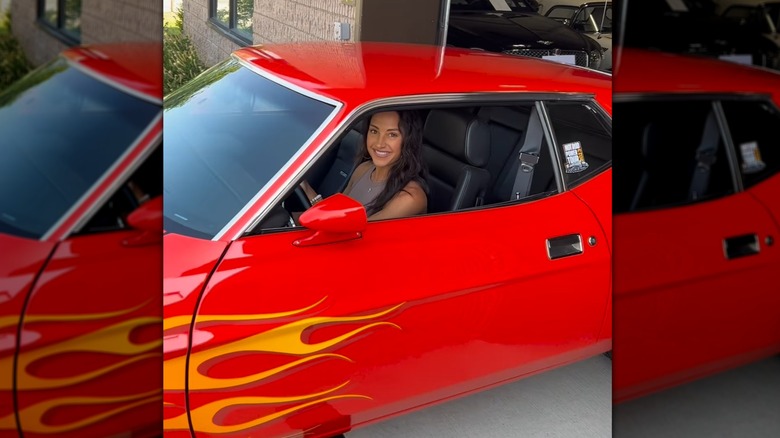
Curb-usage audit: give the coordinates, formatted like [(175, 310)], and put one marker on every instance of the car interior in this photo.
[(471, 154)]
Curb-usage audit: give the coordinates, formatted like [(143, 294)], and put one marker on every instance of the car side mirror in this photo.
[(337, 218), (148, 217)]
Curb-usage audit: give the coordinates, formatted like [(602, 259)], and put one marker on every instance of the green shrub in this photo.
[(13, 62), (180, 60)]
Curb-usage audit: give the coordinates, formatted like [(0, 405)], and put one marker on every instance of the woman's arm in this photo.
[(359, 171), (408, 202)]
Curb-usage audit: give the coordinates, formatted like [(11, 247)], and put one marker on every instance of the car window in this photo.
[(144, 184), (752, 126), (669, 153), (509, 159), (584, 139), (227, 134), (62, 130), (562, 12)]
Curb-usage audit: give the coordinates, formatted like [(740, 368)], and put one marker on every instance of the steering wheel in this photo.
[(301, 195)]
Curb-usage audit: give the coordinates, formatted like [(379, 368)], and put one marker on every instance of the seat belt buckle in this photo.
[(705, 160), (527, 162)]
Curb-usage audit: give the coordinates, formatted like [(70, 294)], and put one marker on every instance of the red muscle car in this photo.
[(697, 218), (273, 329), (80, 245)]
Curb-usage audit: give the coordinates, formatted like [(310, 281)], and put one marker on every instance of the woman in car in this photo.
[(390, 180)]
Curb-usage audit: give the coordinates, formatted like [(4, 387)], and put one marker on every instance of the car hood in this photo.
[(710, 35), (504, 30)]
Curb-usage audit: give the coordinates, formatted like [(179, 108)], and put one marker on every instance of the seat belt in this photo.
[(706, 154), (528, 156)]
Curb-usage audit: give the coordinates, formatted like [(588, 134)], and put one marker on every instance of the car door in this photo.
[(88, 363), (692, 259), (21, 260), (320, 338)]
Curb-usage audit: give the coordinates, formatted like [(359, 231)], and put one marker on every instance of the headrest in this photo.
[(459, 134)]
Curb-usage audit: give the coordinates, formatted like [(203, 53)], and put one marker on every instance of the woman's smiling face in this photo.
[(384, 139)]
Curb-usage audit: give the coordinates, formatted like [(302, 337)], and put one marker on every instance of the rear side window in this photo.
[(583, 137), (668, 153), (753, 127)]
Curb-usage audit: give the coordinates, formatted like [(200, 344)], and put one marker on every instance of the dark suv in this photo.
[(514, 27)]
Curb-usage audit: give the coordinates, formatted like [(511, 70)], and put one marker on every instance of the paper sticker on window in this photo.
[(575, 159), (751, 157)]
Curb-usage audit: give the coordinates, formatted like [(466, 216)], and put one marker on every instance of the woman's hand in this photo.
[(310, 192)]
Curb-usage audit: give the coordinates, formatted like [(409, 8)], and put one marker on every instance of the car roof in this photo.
[(356, 73), (133, 66), (646, 71)]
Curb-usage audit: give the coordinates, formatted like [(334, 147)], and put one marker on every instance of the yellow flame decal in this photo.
[(285, 339), (113, 339), (211, 410), (32, 417), (179, 321)]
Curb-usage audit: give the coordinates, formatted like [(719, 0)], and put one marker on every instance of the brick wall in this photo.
[(121, 20), (273, 21), (38, 45), (300, 20), (101, 22)]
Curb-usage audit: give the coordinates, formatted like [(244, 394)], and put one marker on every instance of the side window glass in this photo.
[(668, 153), (584, 140), (752, 126), (145, 183)]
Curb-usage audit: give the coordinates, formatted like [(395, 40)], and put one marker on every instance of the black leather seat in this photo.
[(456, 148), (333, 171)]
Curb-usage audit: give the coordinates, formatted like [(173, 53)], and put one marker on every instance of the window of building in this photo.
[(63, 18), (235, 17)]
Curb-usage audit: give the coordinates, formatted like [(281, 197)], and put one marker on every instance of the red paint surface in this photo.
[(682, 309)]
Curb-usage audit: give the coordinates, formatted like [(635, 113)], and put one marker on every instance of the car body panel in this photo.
[(392, 332), (89, 348), (677, 315), (21, 260), (683, 308)]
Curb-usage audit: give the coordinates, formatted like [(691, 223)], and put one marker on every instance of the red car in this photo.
[(80, 232), (697, 218), (272, 329)]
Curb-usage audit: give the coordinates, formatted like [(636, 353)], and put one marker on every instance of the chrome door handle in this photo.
[(741, 246), (564, 246)]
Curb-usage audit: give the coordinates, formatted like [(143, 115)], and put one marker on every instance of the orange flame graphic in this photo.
[(112, 339), (285, 339)]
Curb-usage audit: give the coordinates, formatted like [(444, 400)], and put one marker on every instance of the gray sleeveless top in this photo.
[(364, 190)]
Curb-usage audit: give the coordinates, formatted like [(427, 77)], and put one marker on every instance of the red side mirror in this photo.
[(149, 219), (335, 219), (149, 216)]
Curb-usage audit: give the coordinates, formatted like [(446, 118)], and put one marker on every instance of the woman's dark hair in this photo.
[(409, 166)]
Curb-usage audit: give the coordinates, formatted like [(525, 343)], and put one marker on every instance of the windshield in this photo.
[(62, 130), (491, 5), (590, 18), (227, 133)]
